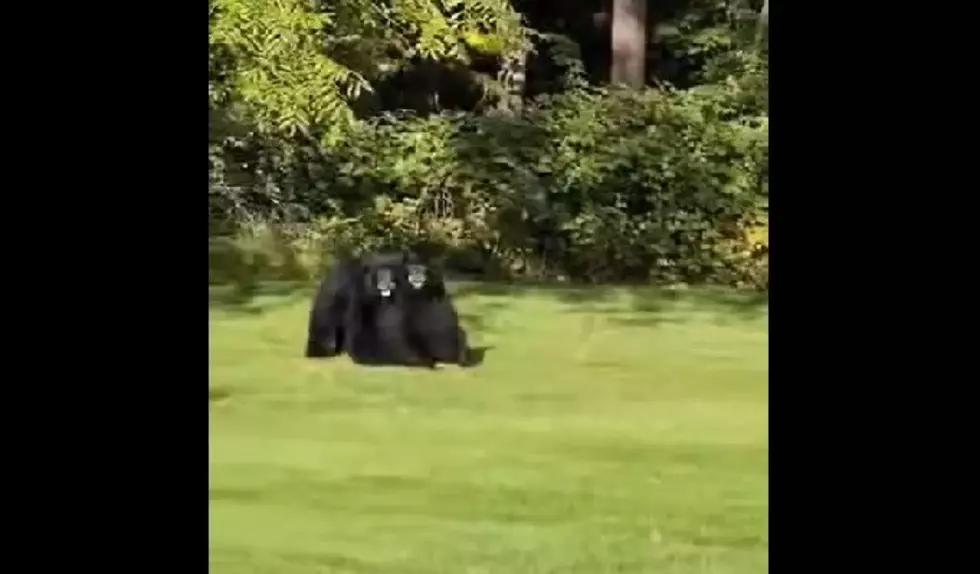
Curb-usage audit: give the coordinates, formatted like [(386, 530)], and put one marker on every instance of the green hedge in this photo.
[(592, 185)]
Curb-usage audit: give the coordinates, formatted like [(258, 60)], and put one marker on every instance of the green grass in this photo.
[(606, 431)]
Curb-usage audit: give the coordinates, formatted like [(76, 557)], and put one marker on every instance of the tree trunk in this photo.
[(762, 23), (629, 33)]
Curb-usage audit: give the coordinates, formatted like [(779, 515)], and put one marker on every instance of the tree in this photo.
[(297, 65), (629, 42), (763, 23)]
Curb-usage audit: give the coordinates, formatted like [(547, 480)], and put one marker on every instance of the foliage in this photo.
[(651, 186), (713, 37), (594, 184), (282, 76), (663, 184), (298, 64)]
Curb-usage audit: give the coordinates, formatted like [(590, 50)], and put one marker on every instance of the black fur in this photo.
[(333, 314), (412, 326), (432, 319), (383, 336)]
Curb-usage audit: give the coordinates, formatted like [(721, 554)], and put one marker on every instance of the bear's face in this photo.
[(384, 281), (379, 281), (417, 275)]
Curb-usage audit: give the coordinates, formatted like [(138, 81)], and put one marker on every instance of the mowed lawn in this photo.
[(606, 431)]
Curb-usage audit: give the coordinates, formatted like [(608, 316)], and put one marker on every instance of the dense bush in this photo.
[(592, 184), (588, 184)]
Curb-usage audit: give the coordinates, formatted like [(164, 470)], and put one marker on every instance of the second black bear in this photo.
[(431, 316)]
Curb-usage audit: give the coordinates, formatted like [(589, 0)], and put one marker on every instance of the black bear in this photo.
[(432, 319), (382, 333), (386, 309), (334, 309)]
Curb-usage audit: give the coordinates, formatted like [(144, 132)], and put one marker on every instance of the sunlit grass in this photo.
[(605, 432)]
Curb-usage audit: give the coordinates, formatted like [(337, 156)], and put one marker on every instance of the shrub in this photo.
[(648, 187), (597, 185)]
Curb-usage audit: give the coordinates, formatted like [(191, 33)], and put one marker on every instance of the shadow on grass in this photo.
[(629, 305), (648, 306), (335, 562), (474, 358), (625, 305), (253, 299), (476, 355), (478, 316)]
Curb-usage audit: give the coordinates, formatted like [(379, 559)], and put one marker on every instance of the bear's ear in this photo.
[(434, 277), (367, 275), (439, 283), (365, 272)]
